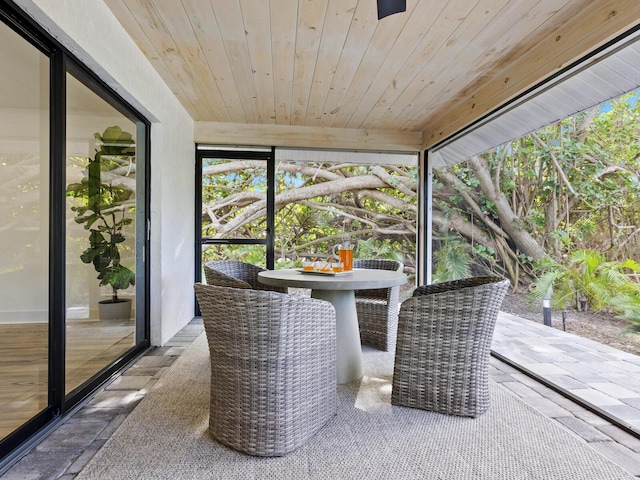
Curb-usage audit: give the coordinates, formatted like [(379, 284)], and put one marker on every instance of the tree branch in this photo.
[(556, 164)]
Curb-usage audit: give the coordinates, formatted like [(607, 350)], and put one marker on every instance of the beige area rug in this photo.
[(166, 437)]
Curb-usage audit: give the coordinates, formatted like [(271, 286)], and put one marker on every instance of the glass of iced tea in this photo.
[(323, 266), (344, 252)]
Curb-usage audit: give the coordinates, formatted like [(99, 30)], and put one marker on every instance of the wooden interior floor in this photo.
[(91, 346)]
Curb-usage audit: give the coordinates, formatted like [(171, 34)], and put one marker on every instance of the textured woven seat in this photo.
[(273, 367), (236, 274), (443, 346), (378, 309)]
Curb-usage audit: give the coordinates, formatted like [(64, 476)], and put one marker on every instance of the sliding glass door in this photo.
[(24, 232), (73, 232), (100, 248)]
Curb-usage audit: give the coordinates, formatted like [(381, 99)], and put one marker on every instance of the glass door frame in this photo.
[(142, 325), (241, 153), (62, 62)]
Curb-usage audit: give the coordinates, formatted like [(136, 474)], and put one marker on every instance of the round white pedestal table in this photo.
[(339, 290)]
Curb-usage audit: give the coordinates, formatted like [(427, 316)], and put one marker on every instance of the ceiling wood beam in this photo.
[(216, 133)]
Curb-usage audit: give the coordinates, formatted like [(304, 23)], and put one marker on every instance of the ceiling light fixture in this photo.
[(389, 7)]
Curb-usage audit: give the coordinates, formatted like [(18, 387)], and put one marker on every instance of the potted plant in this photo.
[(108, 200)]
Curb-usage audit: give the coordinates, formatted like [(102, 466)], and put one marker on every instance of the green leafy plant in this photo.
[(374, 248), (588, 280), (452, 259), (107, 203)]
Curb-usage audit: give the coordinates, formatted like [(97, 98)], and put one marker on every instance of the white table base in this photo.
[(348, 347)]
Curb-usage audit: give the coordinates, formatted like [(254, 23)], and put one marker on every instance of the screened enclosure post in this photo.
[(425, 223), (143, 231), (197, 235), (271, 210)]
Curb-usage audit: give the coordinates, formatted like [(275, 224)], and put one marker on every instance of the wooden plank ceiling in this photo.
[(315, 66)]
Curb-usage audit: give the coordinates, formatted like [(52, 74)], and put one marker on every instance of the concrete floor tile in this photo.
[(503, 367), (111, 427), (546, 407), (575, 368), (545, 369), (84, 458), (595, 397), (520, 389), (170, 361), (152, 361), (587, 378), (94, 414), (115, 399), (614, 390), (72, 436), (176, 351), (142, 371), (179, 343), (592, 418), (530, 382), (40, 465), (626, 439), (634, 402), (624, 412), (156, 352), (626, 366), (606, 368), (582, 429), (591, 356), (130, 382), (569, 347), (565, 381), (500, 377)]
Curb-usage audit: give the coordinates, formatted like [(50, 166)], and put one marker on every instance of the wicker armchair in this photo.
[(443, 346), (378, 309), (224, 272), (273, 367), (219, 279)]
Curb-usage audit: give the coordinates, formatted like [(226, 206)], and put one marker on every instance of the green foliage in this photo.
[(311, 215), (374, 248), (452, 260), (104, 210), (627, 307), (587, 279)]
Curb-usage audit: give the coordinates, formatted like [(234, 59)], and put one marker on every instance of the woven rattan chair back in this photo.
[(378, 308), (273, 367), (443, 346), (219, 279), (245, 272)]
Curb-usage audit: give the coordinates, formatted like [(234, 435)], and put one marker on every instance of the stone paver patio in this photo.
[(597, 376)]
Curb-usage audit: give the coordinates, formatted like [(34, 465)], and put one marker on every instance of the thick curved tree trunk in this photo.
[(465, 228), (509, 221)]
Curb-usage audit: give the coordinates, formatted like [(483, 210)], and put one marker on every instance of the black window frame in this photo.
[(269, 240)]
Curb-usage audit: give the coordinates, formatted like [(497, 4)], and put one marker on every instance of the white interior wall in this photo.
[(25, 241), (91, 32)]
